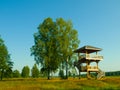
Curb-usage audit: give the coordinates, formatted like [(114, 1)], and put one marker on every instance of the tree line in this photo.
[(54, 43), (112, 73), (35, 73)]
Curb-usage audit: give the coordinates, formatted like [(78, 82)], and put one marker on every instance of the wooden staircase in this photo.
[(101, 74)]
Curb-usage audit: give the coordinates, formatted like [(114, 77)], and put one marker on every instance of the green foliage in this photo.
[(54, 43), (25, 72), (61, 74), (68, 42), (69, 74), (35, 71), (5, 61), (43, 72), (16, 74), (8, 73)]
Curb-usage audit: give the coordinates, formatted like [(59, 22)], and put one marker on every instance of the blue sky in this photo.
[(97, 22)]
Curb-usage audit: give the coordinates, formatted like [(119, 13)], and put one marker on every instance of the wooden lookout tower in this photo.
[(86, 56)]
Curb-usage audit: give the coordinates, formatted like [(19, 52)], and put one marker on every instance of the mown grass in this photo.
[(108, 83)]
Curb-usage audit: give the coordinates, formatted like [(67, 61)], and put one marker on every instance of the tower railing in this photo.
[(94, 57)]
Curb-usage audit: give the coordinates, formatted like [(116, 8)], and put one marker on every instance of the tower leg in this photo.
[(79, 74), (88, 74)]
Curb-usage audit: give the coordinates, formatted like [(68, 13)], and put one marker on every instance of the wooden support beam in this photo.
[(78, 56), (79, 74), (88, 74)]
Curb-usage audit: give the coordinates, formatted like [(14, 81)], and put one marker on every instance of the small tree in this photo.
[(5, 61), (25, 72), (35, 71), (16, 74)]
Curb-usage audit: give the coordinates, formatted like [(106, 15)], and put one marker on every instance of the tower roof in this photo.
[(88, 49)]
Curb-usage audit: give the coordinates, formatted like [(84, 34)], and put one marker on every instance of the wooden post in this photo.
[(78, 56), (88, 72), (86, 54), (79, 74), (96, 53), (97, 63)]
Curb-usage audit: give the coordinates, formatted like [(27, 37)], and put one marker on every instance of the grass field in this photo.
[(108, 83)]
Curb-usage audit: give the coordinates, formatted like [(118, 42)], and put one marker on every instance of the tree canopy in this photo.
[(54, 43), (5, 61), (25, 72), (35, 71), (16, 74)]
